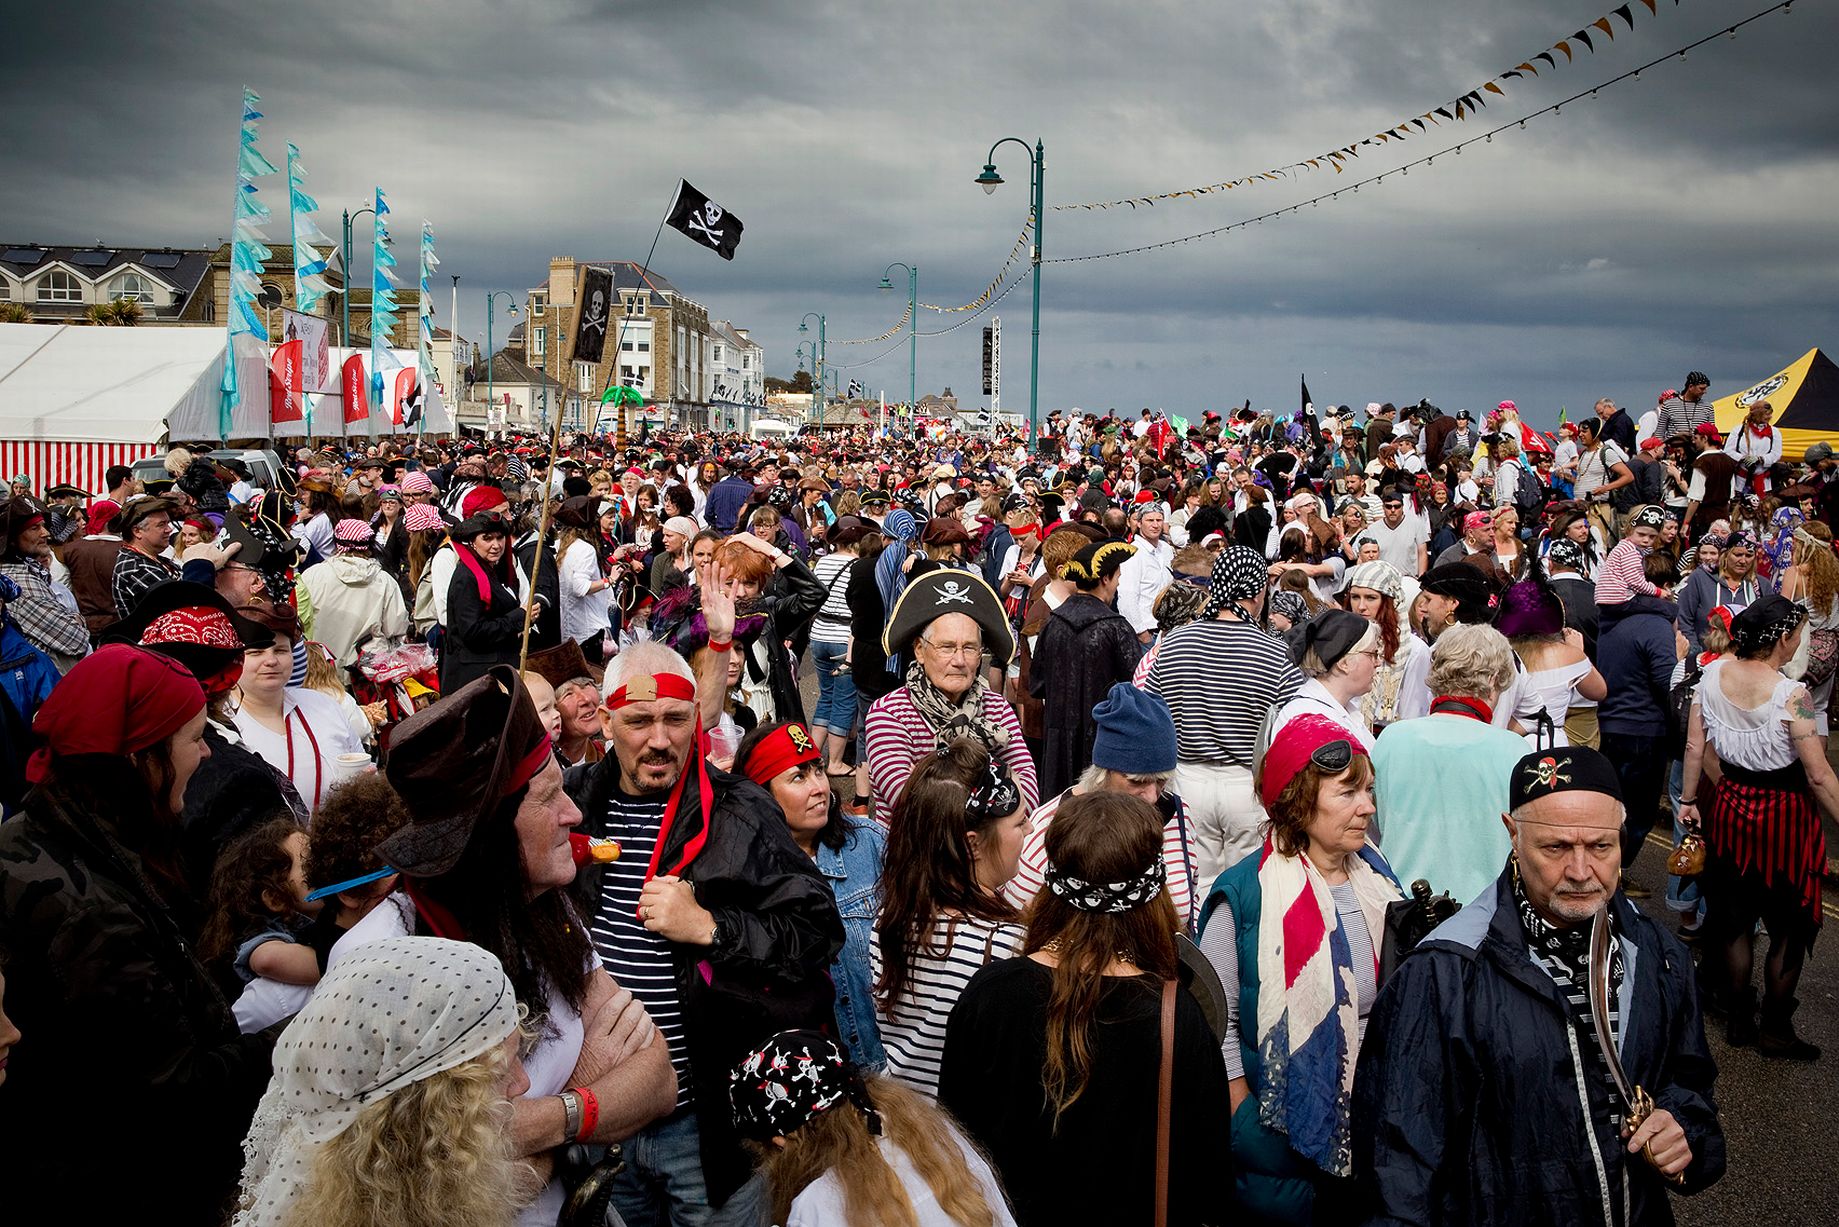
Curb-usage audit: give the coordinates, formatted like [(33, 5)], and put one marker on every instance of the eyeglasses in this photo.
[(1333, 757), (953, 651)]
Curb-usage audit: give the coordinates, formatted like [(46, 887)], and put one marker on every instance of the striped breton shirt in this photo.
[(638, 959), (832, 622), (1031, 868), (913, 1031), (897, 734), (1219, 679)]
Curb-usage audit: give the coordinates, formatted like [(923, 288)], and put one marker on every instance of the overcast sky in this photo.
[(1682, 220)]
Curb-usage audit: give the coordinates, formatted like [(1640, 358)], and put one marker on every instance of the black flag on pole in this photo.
[(1306, 401), (697, 217), (593, 313)]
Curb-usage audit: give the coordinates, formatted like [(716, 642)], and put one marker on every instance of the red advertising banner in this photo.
[(405, 406), (357, 399), (285, 385)]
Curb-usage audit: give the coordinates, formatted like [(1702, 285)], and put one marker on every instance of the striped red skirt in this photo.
[(1764, 826)]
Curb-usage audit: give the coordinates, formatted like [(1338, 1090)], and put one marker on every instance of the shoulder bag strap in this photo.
[(1165, 1093)]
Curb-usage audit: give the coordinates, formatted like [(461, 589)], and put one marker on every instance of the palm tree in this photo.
[(14, 313), (121, 313)]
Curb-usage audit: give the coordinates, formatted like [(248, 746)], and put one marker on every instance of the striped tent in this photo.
[(1805, 397)]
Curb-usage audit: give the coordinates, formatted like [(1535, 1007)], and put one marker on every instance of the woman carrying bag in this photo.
[(1081, 1056)]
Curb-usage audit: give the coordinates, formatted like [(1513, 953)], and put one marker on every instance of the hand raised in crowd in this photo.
[(217, 555), (668, 907), (714, 580), (1664, 1142)]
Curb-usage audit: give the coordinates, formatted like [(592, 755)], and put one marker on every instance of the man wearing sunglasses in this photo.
[(1508, 1062)]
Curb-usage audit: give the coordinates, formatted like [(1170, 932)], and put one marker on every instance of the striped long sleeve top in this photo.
[(897, 734)]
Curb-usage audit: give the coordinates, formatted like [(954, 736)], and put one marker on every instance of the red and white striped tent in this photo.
[(75, 400)]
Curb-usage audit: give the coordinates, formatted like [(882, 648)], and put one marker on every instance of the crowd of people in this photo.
[(1125, 825)]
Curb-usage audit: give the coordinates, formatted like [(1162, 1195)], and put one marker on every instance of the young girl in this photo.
[(256, 935), (322, 675), (341, 866)]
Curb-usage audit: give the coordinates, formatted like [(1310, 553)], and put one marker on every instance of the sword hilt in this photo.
[(1640, 1107)]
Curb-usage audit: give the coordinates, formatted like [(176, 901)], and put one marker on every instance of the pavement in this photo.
[(1782, 1165), (1776, 1114)]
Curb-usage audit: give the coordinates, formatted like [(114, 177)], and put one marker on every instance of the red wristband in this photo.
[(720, 645), (590, 1112)]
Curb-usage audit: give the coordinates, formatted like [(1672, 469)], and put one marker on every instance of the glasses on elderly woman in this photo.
[(954, 651)]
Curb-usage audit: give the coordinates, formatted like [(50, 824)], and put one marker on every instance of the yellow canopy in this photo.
[(1805, 397)]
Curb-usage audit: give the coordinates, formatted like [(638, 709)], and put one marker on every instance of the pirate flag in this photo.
[(700, 218), (596, 299)]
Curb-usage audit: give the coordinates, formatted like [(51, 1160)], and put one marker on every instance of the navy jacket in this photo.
[(1467, 1100), (726, 498), (1634, 651)]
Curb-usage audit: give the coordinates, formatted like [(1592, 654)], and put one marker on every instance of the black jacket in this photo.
[(1085, 648), (480, 634), (1466, 1100), (780, 926), (119, 1018), (546, 630), (792, 599)]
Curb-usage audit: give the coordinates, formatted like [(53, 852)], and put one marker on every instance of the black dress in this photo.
[(480, 632), (1084, 649), (1099, 1166)]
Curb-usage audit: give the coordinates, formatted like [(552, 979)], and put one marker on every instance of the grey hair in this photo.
[(1093, 778), (1471, 660), (646, 657)]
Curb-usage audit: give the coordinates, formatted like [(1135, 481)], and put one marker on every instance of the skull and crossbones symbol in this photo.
[(712, 212), (952, 592), (596, 317), (1547, 774)]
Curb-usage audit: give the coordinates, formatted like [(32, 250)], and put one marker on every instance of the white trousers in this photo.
[(1224, 817)]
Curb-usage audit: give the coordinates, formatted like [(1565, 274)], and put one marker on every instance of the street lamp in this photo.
[(345, 328), (989, 181), (817, 367), (491, 302), (453, 351), (913, 322)]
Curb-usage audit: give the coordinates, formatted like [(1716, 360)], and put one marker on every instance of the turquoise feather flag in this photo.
[(309, 286), (247, 253), (424, 318), (382, 306)]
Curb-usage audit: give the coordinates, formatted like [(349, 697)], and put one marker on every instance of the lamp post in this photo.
[(345, 298), (453, 351), (913, 322), (817, 365), (989, 181), (491, 302)]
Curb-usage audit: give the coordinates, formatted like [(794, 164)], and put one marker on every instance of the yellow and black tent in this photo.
[(1805, 397)]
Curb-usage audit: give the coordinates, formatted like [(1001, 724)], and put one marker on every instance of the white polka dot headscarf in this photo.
[(388, 1015)]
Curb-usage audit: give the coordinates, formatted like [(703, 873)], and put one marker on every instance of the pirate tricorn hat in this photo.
[(937, 593)]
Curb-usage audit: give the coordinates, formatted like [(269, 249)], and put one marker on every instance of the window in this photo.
[(6, 289), (541, 337), (747, 362), (718, 354), (59, 286), (537, 302), (636, 304), (584, 376), (132, 287)]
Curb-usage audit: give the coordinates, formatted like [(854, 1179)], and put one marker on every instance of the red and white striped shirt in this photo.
[(897, 735), (1622, 575), (1031, 869)]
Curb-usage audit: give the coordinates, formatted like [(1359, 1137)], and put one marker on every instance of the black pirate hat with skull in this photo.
[(938, 593)]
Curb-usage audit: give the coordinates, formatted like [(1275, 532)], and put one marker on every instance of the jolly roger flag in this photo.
[(700, 218), (596, 299)]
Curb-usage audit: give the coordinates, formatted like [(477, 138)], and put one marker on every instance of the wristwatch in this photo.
[(718, 935), (571, 1115)]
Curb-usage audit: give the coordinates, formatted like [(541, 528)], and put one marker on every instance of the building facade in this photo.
[(737, 370), (61, 284)]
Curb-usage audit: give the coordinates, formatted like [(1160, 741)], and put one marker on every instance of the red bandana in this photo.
[(201, 625), (780, 750)]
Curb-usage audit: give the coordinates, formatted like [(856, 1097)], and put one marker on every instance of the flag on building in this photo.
[(697, 217)]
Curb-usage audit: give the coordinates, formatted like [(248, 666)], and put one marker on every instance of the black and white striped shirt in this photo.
[(913, 1030), (637, 958), (1219, 679), (832, 622)]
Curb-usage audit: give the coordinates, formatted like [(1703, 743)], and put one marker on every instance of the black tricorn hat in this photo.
[(454, 761), (937, 593)]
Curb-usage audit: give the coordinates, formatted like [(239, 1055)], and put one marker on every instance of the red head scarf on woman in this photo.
[(118, 700)]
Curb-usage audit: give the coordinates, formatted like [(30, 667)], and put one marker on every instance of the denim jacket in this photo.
[(854, 874)]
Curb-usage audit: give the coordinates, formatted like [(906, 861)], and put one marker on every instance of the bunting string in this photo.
[(898, 325), (1486, 137), (1458, 110), (1021, 245)]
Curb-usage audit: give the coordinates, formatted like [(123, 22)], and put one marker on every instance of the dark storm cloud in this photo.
[(1682, 220)]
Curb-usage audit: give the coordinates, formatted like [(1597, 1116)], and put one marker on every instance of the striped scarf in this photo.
[(1308, 1032)]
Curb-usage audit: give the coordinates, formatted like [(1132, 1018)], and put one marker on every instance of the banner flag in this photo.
[(697, 217), (593, 314), (247, 252), (405, 406), (314, 335), (285, 400), (357, 405), (1308, 403)]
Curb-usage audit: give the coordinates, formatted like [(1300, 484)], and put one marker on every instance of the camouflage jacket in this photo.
[(119, 1021)]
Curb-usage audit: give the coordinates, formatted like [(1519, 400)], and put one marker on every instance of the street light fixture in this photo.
[(989, 181), (491, 303), (345, 291), (817, 369), (913, 327)]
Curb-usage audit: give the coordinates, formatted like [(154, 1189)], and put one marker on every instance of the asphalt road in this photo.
[(1780, 1117)]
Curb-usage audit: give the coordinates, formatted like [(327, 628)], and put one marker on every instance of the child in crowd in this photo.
[(1622, 576), (322, 674), (344, 870), (255, 939)]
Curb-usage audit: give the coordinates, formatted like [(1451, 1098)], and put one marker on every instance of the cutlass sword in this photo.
[(1638, 1103)]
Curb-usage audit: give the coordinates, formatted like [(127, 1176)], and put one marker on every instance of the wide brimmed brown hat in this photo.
[(563, 663), (140, 507), (454, 761), (937, 593), (945, 530)]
